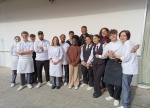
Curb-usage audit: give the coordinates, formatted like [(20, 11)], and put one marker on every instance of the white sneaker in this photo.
[(89, 88), (109, 98), (20, 88), (29, 86), (38, 85), (49, 84), (76, 87), (83, 84), (65, 84), (116, 103), (70, 87), (12, 85), (120, 107)]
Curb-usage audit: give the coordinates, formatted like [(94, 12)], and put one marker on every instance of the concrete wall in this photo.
[(65, 15)]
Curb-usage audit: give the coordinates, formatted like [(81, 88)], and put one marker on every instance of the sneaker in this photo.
[(20, 88), (83, 84), (89, 88), (116, 103), (120, 107), (38, 85), (76, 87), (29, 86), (70, 87), (65, 84), (109, 98), (49, 84), (12, 85)]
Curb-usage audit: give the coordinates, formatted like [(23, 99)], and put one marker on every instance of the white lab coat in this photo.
[(14, 57), (129, 60), (55, 53), (65, 47), (25, 63)]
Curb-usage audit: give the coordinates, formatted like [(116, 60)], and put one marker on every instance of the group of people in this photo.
[(105, 62)]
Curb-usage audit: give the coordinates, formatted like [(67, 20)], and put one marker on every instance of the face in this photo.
[(32, 39), (113, 37), (88, 40), (62, 38), (70, 35), (84, 31), (25, 37), (96, 40), (41, 36), (104, 33), (55, 41), (17, 39), (74, 42), (123, 37)]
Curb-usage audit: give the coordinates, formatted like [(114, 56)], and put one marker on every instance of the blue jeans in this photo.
[(126, 90)]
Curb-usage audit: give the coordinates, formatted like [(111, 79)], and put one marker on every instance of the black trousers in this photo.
[(40, 65), (34, 74), (98, 70), (114, 91), (66, 69), (87, 75)]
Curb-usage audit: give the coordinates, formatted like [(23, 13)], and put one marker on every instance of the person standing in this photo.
[(65, 65), (98, 64), (42, 60), (14, 62), (25, 62), (34, 74), (113, 70), (73, 56), (129, 65), (87, 71), (55, 53)]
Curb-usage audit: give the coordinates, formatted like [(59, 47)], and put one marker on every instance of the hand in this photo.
[(41, 47), (111, 54), (97, 56), (117, 56), (135, 48), (106, 55), (20, 52), (83, 63), (81, 46), (105, 43)]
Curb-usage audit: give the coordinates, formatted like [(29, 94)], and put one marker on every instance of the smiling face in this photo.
[(113, 37), (25, 37), (123, 37), (17, 39), (84, 30), (62, 38), (88, 40), (104, 33), (41, 36), (55, 41), (74, 42), (96, 39)]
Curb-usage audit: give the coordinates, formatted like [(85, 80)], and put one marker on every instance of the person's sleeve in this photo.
[(105, 50), (49, 53), (11, 50), (78, 57), (68, 57), (126, 55), (61, 53), (32, 46), (18, 47), (81, 56), (36, 48), (47, 46), (91, 56)]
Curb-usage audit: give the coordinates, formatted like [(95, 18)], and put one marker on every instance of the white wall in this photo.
[(65, 15)]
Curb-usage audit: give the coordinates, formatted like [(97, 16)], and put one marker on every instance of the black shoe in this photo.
[(53, 87), (58, 87), (96, 95)]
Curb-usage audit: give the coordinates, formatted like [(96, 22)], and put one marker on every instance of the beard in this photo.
[(41, 38)]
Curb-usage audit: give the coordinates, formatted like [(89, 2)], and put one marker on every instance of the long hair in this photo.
[(53, 41), (100, 33)]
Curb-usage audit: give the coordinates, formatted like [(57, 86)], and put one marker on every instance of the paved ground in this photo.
[(63, 98)]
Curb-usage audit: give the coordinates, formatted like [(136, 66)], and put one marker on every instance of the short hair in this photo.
[(17, 37), (76, 40), (62, 35), (96, 35), (88, 36), (53, 41), (32, 35), (84, 27), (113, 31), (127, 32), (24, 32), (71, 32), (100, 33)]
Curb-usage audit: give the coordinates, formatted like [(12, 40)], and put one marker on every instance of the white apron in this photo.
[(25, 65), (56, 70), (14, 62)]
